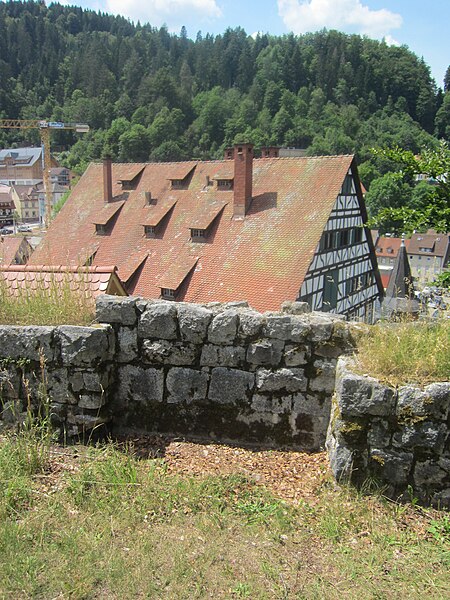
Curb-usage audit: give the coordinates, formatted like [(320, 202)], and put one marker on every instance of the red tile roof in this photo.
[(262, 258), (155, 213), (92, 280), (438, 243), (9, 248), (107, 212), (388, 247)]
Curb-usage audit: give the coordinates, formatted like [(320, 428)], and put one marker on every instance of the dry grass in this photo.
[(54, 302), (409, 352), (98, 523)]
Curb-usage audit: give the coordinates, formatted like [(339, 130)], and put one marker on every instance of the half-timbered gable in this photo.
[(343, 277)]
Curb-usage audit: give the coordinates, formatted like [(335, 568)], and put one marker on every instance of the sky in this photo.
[(422, 26)]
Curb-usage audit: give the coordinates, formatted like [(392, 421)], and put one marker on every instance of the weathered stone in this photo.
[(222, 356), (340, 457), (193, 322), (58, 412), (29, 343), (321, 327), (379, 434), (58, 387), (186, 385), (86, 421), (95, 382), (295, 356), (250, 323), (116, 309), (11, 411), (289, 380), (325, 376), (169, 353), (140, 385), (223, 327), (278, 327), (360, 396), (159, 320), (265, 352), (85, 346), (427, 435), (441, 500), (300, 329), (295, 308), (270, 404), (428, 473), (92, 401), (229, 386), (9, 383), (393, 467), (128, 344), (76, 381), (328, 350), (433, 401)]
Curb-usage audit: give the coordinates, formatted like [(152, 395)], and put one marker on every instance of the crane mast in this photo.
[(45, 128)]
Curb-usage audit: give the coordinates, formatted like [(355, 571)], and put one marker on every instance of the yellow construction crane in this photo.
[(45, 127)]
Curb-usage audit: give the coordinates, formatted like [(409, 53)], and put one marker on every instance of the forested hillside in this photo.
[(148, 94)]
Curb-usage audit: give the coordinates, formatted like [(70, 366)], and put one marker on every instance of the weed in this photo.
[(440, 529)]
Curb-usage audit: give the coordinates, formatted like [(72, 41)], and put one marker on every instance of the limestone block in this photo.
[(222, 356), (128, 344), (136, 384), (328, 350), (289, 380), (223, 327), (92, 401), (58, 387), (163, 352), (263, 404), (393, 467), (321, 327), (361, 396), (295, 356), (429, 473), (116, 309), (31, 343), (186, 385), (295, 308), (265, 352), (229, 386), (432, 401), (340, 457), (441, 499), (86, 346), (325, 376), (427, 435), (250, 323), (159, 320), (193, 321), (300, 328), (278, 327), (379, 434)]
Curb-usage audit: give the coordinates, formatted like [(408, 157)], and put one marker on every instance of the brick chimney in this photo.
[(270, 151), (228, 154), (107, 179), (243, 175)]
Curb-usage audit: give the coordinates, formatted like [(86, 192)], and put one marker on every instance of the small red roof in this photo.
[(107, 212), (155, 213)]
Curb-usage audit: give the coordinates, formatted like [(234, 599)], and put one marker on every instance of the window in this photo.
[(100, 229), (224, 184), (344, 237), (347, 187), (327, 240), (198, 234), (149, 231), (330, 290), (168, 293), (357, 236), (177, 184)]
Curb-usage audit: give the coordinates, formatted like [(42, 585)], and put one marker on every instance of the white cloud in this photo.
[(171, 12), (301, 16)]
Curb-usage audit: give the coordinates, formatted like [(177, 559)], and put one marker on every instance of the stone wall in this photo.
[(216, 371), (398, 437)]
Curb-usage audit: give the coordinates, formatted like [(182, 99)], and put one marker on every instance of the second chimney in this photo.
[(107, 179), (243, 176)]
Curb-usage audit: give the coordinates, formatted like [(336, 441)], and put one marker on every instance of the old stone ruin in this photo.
[(225, 372)]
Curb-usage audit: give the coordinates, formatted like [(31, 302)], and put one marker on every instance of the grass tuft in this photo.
[(409, 352)]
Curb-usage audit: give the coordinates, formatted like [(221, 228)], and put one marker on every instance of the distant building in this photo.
[(400, 300), (14, 250), (263, 230), (7, 205), (21, 166), (386, 251), (429, 254), (61, 175)]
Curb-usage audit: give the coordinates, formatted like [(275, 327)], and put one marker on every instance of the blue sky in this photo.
[(423, 26)]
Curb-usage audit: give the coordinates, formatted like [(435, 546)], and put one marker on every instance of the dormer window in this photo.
[(198, 234), (150, 231), (100, 229), (224, 184), (177, 184), (168, 293), (148, 198)]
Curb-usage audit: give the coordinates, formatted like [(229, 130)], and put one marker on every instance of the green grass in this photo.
[(56, 304), (409, 352), (98, 523)]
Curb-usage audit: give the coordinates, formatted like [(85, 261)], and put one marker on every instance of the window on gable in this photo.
[(327, 240), (347, 187), (149, 231), (344, 237), (357, 236)]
